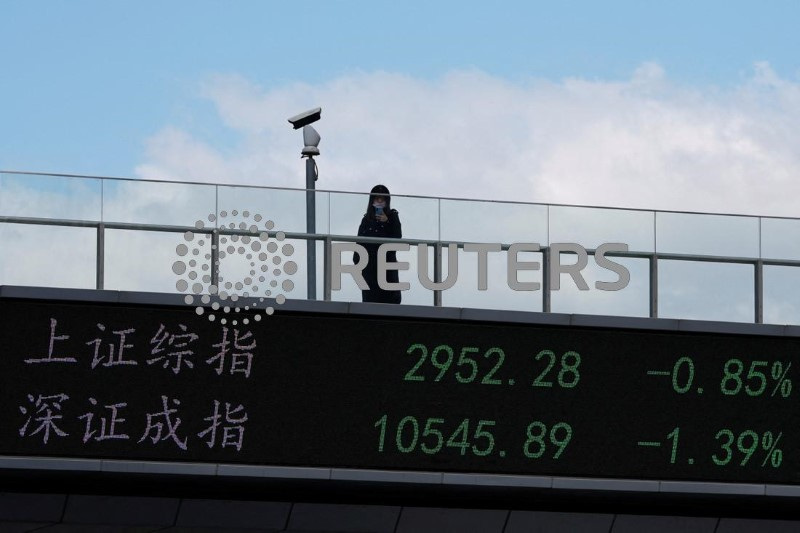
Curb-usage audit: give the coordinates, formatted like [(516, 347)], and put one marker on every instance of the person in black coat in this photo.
[(380, 220)]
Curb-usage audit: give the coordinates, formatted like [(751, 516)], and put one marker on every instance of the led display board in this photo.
[(318, 389)]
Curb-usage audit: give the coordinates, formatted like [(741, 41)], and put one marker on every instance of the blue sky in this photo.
[(686, 105), (89, 87)]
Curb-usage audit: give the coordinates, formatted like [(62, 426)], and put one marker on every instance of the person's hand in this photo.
[(382, 217)]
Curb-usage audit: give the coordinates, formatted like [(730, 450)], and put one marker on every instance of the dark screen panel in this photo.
[(304, 389)]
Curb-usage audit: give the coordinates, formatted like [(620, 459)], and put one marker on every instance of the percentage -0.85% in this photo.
[(732, 448), (756, 379)]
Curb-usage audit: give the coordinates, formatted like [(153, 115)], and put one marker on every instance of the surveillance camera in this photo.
[(311, 139), (306, 118), (310, 136)]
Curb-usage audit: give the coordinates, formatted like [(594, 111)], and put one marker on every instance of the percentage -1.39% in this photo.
[(732, 448), (759, 378)]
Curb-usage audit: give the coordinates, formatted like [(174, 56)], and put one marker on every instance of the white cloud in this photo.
[(645, 142)]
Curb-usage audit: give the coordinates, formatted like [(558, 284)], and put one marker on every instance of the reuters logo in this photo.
[(254, 259)]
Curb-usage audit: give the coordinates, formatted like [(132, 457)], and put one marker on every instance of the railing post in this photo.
[(546, 279), (327, 265), (759, 291), (215, 258), (653, 285), (437, 272), (101, 252)]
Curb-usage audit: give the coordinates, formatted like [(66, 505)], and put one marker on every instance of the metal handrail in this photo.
[(420, 196), (438, 245)]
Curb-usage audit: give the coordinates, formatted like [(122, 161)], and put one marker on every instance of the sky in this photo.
[(672, 105), (688, 106)]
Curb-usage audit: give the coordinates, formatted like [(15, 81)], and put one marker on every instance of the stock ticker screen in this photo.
[(139, 382)]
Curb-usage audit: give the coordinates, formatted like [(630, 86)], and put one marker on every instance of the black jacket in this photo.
[(371, 227)]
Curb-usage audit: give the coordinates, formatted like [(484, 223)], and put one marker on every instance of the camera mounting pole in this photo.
[(311, 141)]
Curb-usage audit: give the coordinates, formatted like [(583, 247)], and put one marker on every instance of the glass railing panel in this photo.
[(499, 295), (323, 211), (632, 300), (345, 212), (61, 197), (419, 217), (48, 256), (493, 222), (706, 291), (591, 227), (780, 238), (781, 295), (285, 208), (153, 261), (722, 235), (159, 203)]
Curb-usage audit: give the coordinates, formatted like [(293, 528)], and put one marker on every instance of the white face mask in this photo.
[(376, 204)]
